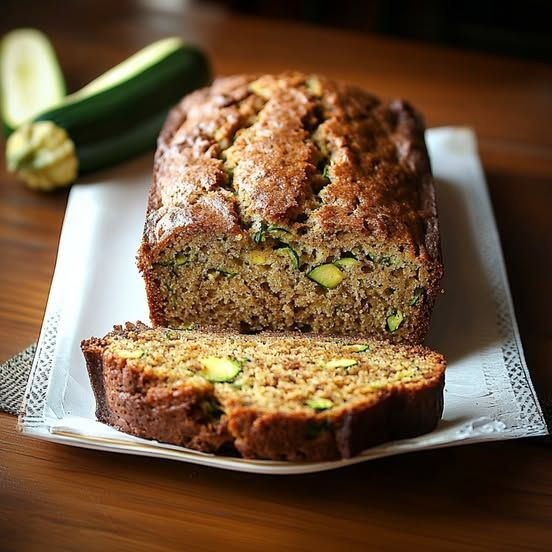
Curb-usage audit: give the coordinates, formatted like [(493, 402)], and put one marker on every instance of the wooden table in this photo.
[(492, 496)]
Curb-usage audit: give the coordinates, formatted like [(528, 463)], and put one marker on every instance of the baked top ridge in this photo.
[(270, 395), (298, 151)]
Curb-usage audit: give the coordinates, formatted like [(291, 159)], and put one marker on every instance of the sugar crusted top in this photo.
[(293, 150)]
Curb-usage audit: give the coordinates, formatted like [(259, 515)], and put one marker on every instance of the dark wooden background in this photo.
[(490, 26), (481, 497)]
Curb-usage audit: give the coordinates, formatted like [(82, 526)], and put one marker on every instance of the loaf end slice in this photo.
[(278, 396)]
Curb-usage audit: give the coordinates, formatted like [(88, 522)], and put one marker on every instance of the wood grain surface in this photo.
[(482, 497)]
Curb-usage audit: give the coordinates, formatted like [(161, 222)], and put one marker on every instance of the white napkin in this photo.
[(488, 392)]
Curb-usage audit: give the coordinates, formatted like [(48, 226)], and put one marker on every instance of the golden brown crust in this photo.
[(130, 402), (380, 181)]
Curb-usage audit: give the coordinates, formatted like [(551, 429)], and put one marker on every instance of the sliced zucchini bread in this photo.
[(280, 396), (292, 202)]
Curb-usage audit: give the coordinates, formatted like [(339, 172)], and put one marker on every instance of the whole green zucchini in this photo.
[(115, 117)]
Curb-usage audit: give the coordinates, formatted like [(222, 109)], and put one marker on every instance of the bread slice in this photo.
[(291, 201), (276, 396)]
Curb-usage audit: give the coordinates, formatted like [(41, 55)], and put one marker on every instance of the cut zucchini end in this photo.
[(31, 80), (220, 369), (42, 155)]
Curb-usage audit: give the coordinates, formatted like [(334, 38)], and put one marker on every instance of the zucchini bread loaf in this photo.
[(292, 202), (275, 396)]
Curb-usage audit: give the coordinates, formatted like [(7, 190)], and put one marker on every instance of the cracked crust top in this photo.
[(293, 149)]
